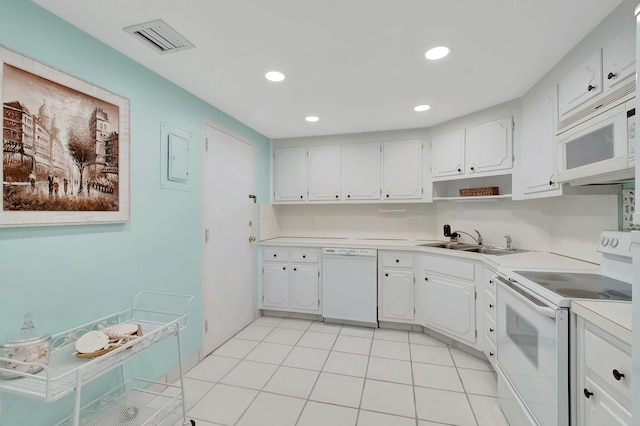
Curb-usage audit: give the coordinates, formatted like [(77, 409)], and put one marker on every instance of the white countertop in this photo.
[(521, 260), (613, 317)]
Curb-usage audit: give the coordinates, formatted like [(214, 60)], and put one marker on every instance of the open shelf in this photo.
[(449, 190)]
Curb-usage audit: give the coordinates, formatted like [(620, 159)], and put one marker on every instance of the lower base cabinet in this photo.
[(449, 307), (291, 279), (396, 296), (603, 372)]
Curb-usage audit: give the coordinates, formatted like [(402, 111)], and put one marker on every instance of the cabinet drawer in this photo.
[(401, 260), (450, 267), (304, 255), (280, 254), (608, 357), (490, 305), (490, 328)]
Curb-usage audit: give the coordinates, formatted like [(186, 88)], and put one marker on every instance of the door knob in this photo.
[(617, 375), (252, 239)]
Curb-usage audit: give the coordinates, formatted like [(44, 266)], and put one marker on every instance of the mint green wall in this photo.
[(73, 274)]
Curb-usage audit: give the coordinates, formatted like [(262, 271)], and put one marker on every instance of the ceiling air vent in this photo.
[(160, 36)]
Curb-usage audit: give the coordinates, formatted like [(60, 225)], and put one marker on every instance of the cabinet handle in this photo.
[(337, 196), (387, 195), (491, 330), (459, 170), (284, 268), (472, 168), (397, 260), (591, 87), (491, 282), (550, 183), (610, 76), (426, 279), (348, 195), (386, 275), (304, 256), (587, 394), (617, 375), (295, 269), (490, 353), (275, 255), (491, 305)]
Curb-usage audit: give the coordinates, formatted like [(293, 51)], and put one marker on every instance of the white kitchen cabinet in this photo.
[(324, 173), (396, 287), (447, 296), (449, 307), (275, 285), (484, 150), (447, 154), (290, 174), (604, 376), (538, 146), (305, 291), (291, 279), (402, 176), (580, 85), (619, 58), (489, 147), (361, 171)]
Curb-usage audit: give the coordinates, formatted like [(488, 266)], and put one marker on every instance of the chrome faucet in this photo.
[(455, 234), (508, 237)]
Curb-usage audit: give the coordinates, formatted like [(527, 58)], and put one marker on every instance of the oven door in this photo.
[(533, 353)]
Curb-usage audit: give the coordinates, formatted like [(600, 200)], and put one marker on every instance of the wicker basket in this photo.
[(479, 192)]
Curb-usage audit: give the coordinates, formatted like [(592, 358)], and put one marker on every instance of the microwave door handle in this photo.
[(528, 300)]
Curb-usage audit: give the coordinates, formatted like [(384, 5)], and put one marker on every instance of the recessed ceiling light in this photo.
[(312, 118), (274, 76), (436, 53), (421, 108)]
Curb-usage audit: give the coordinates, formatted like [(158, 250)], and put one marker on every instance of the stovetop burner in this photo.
[(580, 285)]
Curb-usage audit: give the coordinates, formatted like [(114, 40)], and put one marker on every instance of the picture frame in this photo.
[(66, 147)]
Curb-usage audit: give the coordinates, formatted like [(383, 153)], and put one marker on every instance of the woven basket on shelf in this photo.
[(479, 192)]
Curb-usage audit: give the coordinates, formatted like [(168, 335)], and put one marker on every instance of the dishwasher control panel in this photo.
[(349, 252)]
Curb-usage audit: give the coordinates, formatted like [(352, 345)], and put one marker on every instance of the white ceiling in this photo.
[(357, 64)]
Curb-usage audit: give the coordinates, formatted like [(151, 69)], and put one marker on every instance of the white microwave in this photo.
[(599, 150)]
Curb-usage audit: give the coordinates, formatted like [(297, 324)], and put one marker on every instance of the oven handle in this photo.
[(513, 287)]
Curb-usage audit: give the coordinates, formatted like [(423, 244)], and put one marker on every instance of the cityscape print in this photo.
[(60, 147)]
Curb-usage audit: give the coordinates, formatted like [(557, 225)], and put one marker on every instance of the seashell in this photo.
[(91, 342)]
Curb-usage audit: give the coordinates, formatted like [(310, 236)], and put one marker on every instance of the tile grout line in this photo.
[(364, 379), (475, 417), (413, 382)]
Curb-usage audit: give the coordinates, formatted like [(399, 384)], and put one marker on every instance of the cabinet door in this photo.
[(397, 295), (449, 306), (324, 173), (275, 285), (538, 151), (619, 58), (447, 154), (290, 174), (600, 408), (580, 85), (489, 147), (402, 170), (305, 292), (361, 171)]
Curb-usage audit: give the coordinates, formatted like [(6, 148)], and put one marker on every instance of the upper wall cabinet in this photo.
[(361, 172), (402, 170), (324, 173), (619, 58), (447, 151), (481, 150), (581, 85), (537, 153), (290, 174)]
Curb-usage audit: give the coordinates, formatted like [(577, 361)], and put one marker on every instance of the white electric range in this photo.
[(533, 329)]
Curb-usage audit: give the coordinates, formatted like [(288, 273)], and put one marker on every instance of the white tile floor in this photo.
[(283, 371)]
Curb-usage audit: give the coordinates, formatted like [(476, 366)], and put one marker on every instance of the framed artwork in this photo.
[(65, 147)]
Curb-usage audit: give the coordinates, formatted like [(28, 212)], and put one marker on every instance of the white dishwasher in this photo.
[(350, 285)]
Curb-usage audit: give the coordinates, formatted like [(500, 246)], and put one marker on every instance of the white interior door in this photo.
[(228, 286)]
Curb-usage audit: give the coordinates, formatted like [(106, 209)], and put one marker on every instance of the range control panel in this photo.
[(615, 242)]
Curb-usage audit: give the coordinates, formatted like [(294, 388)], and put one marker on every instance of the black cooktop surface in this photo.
[(580, 285)]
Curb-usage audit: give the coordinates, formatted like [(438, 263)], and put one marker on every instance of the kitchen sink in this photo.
[(451, 246), (472, 248), (494, 250)]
